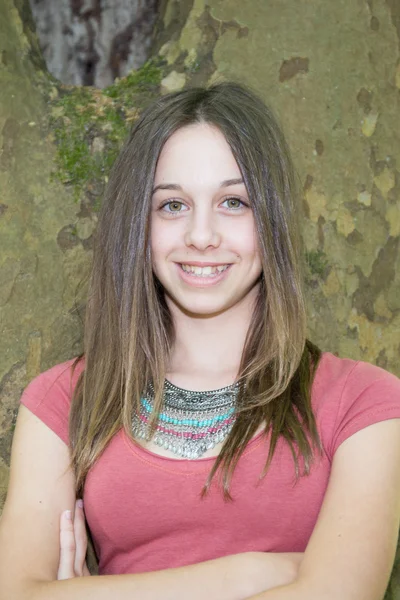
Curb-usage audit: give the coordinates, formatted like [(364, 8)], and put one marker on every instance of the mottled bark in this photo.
[(331, 71), (39, 296)]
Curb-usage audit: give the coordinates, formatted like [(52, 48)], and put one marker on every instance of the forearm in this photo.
[(219, 579), (234, 577)]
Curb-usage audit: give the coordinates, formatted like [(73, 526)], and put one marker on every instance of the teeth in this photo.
[(204, 271)]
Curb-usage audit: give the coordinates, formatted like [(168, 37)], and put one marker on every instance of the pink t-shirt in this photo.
[(145, 511)]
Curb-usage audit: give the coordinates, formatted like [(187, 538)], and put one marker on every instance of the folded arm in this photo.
[(42, 487), (351, 551), (229, 577)]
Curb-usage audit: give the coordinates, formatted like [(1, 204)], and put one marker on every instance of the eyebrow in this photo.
[(176, 186)]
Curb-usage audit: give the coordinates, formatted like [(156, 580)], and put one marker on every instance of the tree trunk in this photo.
[(37, 274), (91, 42), (331, 73)]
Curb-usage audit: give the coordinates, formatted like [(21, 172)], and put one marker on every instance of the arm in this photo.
[(219, 579), (263, 570), (42, 486), (351, 551)]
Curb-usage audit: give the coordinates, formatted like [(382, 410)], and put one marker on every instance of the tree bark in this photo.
[(331, 73), (37, 315), (91, 42)]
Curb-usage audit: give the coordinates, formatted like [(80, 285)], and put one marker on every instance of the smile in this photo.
[(202, 277), (208, 271)]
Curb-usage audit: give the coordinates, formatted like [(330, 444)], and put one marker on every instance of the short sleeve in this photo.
[(370, 395), (48, 396)]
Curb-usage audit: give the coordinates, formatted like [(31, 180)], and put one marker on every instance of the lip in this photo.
[(194, 263), (201, 282)]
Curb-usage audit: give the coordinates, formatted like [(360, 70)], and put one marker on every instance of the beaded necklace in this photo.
[(191, 422)]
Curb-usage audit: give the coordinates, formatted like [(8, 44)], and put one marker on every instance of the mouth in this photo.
[(208, 274), (206, 271)]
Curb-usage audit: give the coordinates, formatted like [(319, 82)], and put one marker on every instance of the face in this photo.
[(203, 239)]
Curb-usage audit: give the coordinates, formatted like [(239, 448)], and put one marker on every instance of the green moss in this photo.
[(83, 115), (317, 262), (144, 81)]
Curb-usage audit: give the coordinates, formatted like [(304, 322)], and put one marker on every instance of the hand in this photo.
[(73, 545)]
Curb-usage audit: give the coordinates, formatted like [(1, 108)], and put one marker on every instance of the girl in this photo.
[(219, 453)]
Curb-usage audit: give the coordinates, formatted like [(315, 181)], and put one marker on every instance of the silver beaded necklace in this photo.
[(191, 422)]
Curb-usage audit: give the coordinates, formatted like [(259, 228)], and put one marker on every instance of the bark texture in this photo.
[(37, 277), (330, 71)]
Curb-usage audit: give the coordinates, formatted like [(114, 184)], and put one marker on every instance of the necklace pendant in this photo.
[(191, 423)]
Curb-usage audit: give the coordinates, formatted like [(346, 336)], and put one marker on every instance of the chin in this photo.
[(201, 309)]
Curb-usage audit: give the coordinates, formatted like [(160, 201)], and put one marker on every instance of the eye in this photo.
[(239, 203), (175, 205)]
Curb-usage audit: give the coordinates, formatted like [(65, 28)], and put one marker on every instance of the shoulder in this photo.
[(49, 395), (335, 375), (60, 378), (349, 395)]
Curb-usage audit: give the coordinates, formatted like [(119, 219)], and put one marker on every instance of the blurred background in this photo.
[(91, 42), (75, 74)]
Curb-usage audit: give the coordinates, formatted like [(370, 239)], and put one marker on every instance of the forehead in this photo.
[(198, 150)]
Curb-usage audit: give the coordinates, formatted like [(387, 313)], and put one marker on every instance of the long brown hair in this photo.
[(129, 330)]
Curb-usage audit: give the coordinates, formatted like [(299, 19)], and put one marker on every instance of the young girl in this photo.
[(219, 454)]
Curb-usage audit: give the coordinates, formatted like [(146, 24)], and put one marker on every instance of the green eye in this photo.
[(174, 204), (233, 199)]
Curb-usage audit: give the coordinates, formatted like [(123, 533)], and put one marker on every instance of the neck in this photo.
[(208, 350)]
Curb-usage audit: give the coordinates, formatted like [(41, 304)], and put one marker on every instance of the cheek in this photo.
[(161, 247), (245, 241), (157, 241)]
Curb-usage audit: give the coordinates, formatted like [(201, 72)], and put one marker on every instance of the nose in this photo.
[(202, 230)]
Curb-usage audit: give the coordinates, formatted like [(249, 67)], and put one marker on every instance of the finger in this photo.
[(86, 572), (80, 538), (67, 547)]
